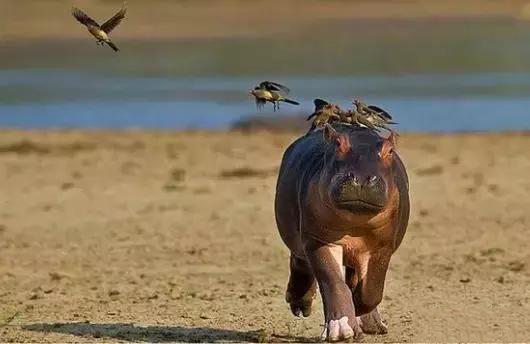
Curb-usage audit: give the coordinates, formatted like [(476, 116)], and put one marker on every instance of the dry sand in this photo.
[(146, 236)]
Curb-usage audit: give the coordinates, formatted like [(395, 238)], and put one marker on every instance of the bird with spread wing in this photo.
[(272, 92), (101, 32)]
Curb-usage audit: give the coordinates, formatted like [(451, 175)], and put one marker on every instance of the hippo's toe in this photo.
[(301, 306), (340, 330), (371, 323)]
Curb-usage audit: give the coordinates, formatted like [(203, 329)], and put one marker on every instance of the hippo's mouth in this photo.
[(359, 204)]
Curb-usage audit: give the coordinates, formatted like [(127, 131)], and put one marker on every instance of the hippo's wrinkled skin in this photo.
[(341, 202)]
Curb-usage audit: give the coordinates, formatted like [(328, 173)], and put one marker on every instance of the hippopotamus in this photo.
[(342, 209)]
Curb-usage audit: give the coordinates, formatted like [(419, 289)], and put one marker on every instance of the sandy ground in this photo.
[(145, 236)]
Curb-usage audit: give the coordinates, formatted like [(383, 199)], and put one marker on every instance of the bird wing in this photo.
[(364, 121), (82, 17), (380, 111), (110, 24), (267, 86), (274, 86), (319, 103)]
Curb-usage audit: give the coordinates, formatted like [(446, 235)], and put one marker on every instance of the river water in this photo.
[(431, 76)]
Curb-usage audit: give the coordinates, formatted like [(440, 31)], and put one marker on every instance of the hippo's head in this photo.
[(358, 173)]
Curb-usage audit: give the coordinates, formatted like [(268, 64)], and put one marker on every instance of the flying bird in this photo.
[(101, 32), (272, 92)]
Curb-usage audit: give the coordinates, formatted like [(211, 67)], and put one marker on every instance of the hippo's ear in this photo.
[(388, 147), (341, 141)]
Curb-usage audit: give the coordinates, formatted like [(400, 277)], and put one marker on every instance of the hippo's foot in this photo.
[(341, 330), (301, 288), (301, 305), (371, 323)]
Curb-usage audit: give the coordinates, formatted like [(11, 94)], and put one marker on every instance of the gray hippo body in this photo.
[(342, 209)]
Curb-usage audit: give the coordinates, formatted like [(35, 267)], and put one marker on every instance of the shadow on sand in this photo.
[(159, 334)]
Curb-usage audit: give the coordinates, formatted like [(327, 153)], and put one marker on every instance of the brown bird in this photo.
[(324, 114), (101, 32), (372, 116), (361, 120)]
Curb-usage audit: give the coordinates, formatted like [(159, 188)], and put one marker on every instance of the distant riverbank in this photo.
[(41, 20)]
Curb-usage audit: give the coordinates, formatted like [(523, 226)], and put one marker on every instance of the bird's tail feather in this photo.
[(291, 101), (113, 46)]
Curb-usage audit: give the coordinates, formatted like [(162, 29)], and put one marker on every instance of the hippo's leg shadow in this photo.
[(301, 288)]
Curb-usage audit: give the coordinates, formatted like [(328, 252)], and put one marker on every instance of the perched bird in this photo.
[(379, 111), (372, 116), (327, 113), (367, 109), (324, 114), (361, 120), (100, 31), (319, 104), (272, 92), (346, 117), (379, 121)]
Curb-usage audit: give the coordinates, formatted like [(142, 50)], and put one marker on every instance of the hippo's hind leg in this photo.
[(372, 323), (367, 285), (301, 288)]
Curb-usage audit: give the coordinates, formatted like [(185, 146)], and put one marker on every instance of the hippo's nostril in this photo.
[(372, 180)]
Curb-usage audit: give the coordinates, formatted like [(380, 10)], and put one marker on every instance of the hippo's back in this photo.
[(300, 161)]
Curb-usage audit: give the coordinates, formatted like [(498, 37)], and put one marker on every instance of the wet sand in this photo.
[(159, 236)]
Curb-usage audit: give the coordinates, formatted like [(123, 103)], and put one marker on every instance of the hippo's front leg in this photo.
[(326, 263)]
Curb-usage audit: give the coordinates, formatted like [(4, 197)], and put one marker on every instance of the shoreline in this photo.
[(238, 131)]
